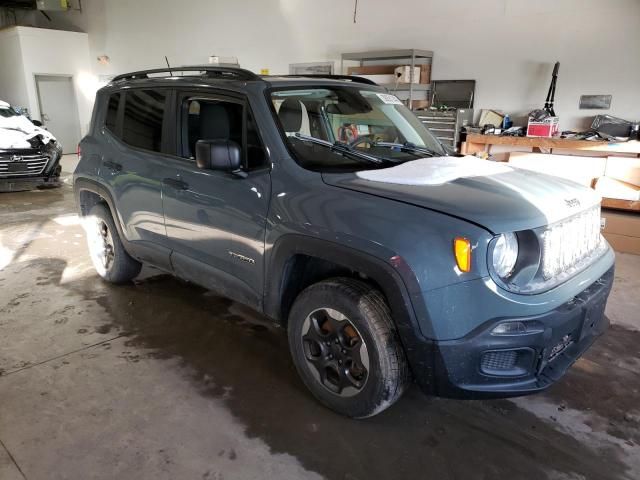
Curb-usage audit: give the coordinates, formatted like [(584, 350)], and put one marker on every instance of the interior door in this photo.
[(59, 110), (215, 220)]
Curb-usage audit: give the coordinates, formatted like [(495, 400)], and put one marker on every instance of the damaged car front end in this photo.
[(29, 155)]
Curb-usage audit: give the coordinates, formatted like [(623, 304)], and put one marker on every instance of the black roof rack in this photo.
[(352, 78), (234, 73)]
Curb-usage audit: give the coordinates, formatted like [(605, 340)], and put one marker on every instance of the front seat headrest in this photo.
[(214, 121), (290, 114)]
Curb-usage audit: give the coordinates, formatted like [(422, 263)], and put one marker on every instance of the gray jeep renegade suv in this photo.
[(325, 204)]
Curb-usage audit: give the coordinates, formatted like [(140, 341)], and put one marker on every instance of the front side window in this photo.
[(213, 119), (143, 115), (347, 128), (209, 119)]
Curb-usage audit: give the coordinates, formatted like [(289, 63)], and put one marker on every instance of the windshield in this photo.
[(6, 111), (336, 128)]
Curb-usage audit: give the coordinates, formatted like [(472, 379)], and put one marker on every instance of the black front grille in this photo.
[(498, 361), (12, 165)]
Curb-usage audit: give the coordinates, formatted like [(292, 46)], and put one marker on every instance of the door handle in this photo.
[(113, 166), (177, 184)]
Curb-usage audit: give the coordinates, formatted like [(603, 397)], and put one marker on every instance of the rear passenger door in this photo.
[(132, 167), (215, 220)]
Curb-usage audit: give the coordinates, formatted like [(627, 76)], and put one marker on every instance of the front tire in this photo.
[(345, 347), (109, 257)]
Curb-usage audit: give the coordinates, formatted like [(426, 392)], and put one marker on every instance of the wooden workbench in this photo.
[(482, 143)]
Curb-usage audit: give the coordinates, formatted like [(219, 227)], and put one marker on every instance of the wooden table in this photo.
[(482, 143)]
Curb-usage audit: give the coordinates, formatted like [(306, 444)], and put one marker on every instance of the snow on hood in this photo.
[(434, 171), (17, 130)]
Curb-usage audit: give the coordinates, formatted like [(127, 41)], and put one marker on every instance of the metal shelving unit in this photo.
[(411, 57)]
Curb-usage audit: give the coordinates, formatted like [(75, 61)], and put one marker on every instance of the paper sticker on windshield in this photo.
[(389, 99)]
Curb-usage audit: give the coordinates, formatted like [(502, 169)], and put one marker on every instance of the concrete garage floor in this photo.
[(163, 380)]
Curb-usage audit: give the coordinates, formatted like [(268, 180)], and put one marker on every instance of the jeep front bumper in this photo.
[(482, 364)]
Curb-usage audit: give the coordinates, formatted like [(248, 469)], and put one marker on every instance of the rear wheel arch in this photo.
[(87, 199), (88, 193)]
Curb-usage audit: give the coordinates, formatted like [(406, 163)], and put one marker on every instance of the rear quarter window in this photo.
[(143, 117), (112, 112)]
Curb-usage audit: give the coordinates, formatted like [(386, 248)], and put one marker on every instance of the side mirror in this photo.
[(218, 155), (37, 123)]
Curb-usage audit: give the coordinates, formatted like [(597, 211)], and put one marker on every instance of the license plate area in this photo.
[(564, 343), (592, 317)]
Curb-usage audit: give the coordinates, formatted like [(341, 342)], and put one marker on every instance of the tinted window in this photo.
[(112, 112), (212, 120), (220, 120), (142, 123), (256, 155)]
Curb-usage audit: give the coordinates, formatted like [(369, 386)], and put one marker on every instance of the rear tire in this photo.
[(109, 257), (346, 348)]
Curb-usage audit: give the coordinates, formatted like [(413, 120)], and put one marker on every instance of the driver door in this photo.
[(215, 220)]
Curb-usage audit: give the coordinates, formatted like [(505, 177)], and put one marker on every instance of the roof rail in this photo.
[(352, 78), (234, 73)]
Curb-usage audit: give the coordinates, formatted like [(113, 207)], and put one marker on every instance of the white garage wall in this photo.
[(13, 88), (54, 52), (26, 52), (508, 46)]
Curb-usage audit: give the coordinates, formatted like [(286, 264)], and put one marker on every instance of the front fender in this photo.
[(391, 276)]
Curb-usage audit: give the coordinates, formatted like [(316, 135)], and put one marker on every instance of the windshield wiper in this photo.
[(409, 147), (340, 148)]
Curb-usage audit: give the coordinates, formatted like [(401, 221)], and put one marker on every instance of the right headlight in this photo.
[(505, 254)]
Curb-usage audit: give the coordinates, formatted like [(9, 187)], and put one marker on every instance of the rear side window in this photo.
[(112, 112), (142, 122)]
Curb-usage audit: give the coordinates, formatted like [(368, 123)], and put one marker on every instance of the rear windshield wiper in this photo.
[(409, 147), (340, 148)]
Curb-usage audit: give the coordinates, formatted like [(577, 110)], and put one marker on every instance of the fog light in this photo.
[(509, 328)]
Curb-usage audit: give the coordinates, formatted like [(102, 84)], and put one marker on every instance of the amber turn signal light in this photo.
[(462, 251)]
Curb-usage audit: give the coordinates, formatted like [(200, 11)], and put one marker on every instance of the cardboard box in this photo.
[(420, 104), (371, 70), (425, 74), (622, 230), (623, 244), (381, 78), (425, 71), (583, 170), (403, 74), (624, 168), (622, 223), (613, 188), (544, 128)]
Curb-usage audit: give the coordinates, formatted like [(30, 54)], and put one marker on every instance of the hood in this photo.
[(495, 196), (16, 131)]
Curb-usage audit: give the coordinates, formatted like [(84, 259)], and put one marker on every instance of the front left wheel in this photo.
[(346, 348), (109, 257)]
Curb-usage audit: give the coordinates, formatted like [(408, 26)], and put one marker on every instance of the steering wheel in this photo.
[(369, 138)]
